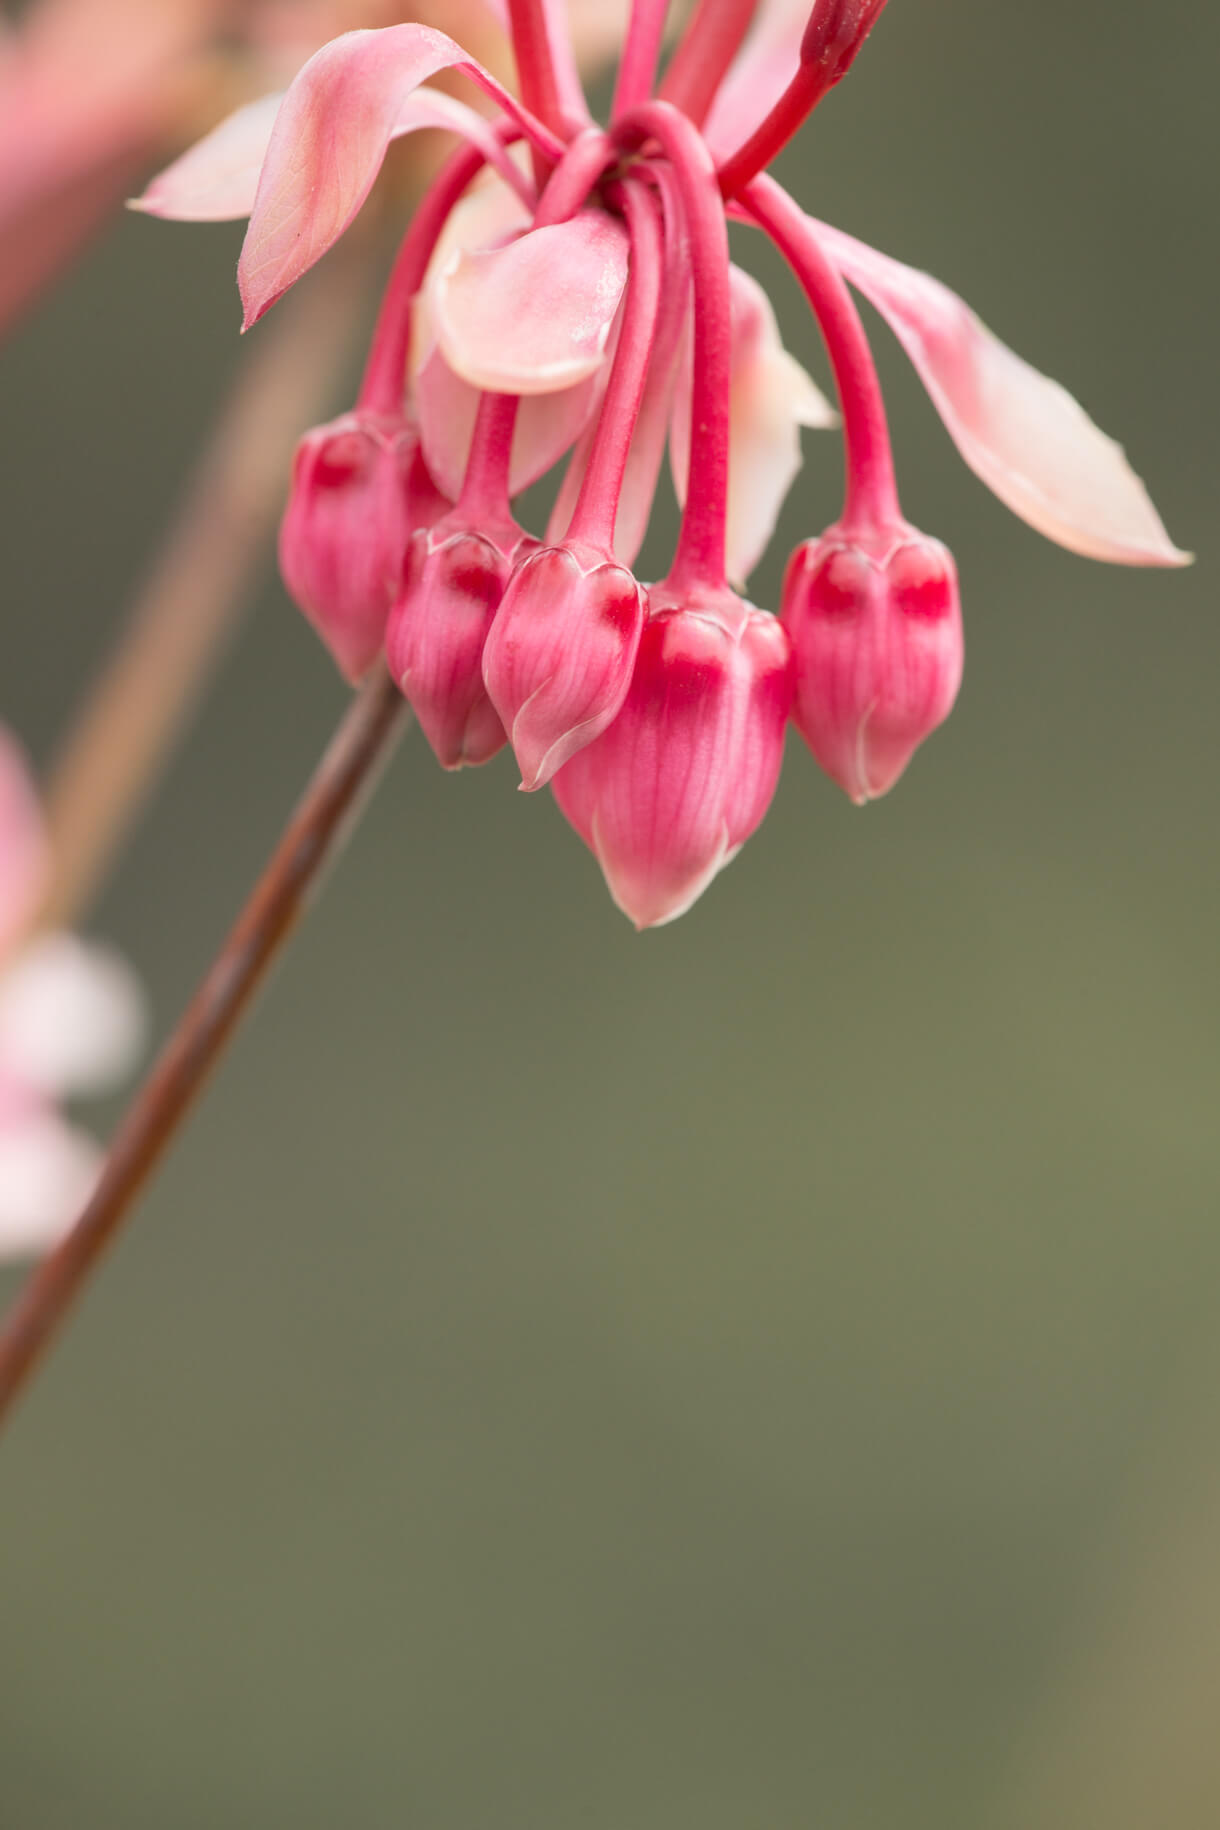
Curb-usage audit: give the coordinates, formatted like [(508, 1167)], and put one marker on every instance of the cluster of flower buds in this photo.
[(565, 290)]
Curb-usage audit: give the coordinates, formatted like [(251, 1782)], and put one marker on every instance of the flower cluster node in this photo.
[(579, 302)]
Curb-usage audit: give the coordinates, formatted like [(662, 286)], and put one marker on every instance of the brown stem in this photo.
[(329, 807), (191, 600)]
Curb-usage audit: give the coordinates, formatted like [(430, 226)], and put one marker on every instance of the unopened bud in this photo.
[(876, 629), (670, 792), (559, 657), (359, 490), (453, 581)]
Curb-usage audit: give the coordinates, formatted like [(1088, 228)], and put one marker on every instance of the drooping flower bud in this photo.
[(876, 629), (453, 581), (559, 657), (670, 792), (359, 490)]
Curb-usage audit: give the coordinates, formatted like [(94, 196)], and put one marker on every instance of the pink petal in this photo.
[(216, 180), (1023, 434), (47, 1172), (72, 1017), (534, 317), (761, 72), (547, 425), (772, 398), (327, 146), (24, 855)]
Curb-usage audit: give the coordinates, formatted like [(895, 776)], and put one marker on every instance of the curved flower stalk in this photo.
[(515, 332), (71, 1024)]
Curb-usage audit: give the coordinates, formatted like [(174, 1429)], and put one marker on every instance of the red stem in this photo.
[(546, 66), (597, 505), (701, 62), (830, 44), (872, 495), (638, 66), (772, 134), (699, 559)]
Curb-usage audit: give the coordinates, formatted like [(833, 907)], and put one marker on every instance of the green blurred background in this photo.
[(760, 1373)]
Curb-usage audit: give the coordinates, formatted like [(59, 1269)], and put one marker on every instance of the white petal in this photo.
[(47, 1172), (72, 1017)]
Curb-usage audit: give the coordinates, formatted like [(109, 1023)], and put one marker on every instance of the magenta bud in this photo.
[(559, 657), (669, 793), (359, 490), (453, 581), (876, 628), (835, 33)]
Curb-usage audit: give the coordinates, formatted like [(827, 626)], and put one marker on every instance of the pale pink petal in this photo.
[(445, 404), (72, 1017), (534, 317), (772, 398), (760, 73), (24, 854), (216, 180), (1023, 434), (47, 1172), (547, 425), (327, 146)]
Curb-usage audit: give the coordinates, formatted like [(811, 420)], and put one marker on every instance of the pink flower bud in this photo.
[(453, 581), (359, 489), (876, 629), (671, 791), (559, 657)]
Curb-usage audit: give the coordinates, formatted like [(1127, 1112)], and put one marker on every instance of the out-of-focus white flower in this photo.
[(71, 1024)]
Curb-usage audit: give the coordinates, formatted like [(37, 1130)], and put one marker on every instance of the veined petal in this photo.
[(216, 180), (758, 76), (1027, 438), (72, 1017), (772, 397), (533, 317), (327, 146)]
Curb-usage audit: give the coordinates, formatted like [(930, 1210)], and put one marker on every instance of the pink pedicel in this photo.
[(876, 628), (359, 491), (559, 657), (453, 582), (564, 289), (676, 785)]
